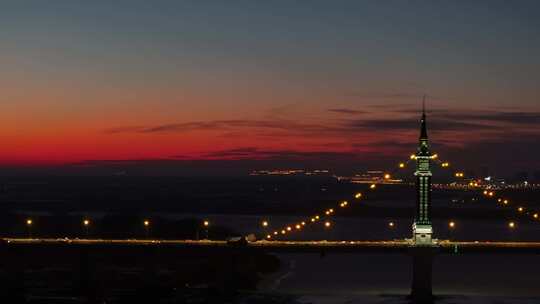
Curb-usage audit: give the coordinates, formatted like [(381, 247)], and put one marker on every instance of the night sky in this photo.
[(334, 84)]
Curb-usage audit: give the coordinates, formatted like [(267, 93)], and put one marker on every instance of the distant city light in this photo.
[(511, 225), (412, 156), (402, 165), (387, 176), (86, 222), (29, 222), (289, 228), (358, 195), (298, 227), (520, 209), (264, 223), (327, 224), (451, 225), (146, 223), (373, 186), (391, 224)]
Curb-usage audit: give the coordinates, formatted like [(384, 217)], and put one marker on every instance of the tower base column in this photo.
[(421, 289)]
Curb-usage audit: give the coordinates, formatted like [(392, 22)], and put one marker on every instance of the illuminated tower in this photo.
[(422, 229)]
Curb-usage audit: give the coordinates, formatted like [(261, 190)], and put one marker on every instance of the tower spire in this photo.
[(423, 131), (424, 105)]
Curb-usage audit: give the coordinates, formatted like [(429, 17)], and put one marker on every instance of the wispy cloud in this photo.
[(266, 154), (346, 111)]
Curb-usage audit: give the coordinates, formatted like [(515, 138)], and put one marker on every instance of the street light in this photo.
[(451, 225), (327, 224), (511, 225), (402, 165), (29, 223), (264, 223), (146, 224), (206, 224), (391, 225), (358, 195), (86, 224)]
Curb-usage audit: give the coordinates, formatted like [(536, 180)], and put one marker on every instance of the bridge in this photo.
[(422, 246), (390, 246)]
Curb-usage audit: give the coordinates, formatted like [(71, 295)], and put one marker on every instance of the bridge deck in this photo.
[(359, 246)]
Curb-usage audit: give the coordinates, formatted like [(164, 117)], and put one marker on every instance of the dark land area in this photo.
[(176, 207)]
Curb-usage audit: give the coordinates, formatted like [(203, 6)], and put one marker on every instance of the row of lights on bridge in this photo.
[(146, 223), (299, 226), (506, 202)]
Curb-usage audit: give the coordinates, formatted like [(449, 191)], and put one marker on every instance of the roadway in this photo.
[(358, 246)]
